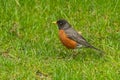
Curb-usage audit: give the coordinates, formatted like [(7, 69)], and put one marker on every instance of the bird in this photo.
[(70, 38)]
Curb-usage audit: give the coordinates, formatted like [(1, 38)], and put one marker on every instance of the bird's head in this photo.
[(62, 24)]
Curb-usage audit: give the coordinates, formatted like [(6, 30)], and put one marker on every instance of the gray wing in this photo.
[(74, 35)]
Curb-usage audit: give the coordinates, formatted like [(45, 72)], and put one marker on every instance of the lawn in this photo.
[(31, 50)]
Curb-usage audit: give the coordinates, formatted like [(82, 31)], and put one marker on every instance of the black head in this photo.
[(62, 24)]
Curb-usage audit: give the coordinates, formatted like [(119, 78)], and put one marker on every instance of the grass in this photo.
[(30, 48)]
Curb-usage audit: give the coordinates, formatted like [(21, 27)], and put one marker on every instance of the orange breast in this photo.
[(66, 41)]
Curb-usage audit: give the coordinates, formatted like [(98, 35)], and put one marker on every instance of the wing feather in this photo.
[(74, 35)]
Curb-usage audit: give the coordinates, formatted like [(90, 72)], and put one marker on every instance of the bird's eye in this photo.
[(60, 23)]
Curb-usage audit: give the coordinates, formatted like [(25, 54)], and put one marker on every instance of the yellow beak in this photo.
[(54, 22)]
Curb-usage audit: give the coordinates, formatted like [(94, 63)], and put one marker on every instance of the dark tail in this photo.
[(97, 49)]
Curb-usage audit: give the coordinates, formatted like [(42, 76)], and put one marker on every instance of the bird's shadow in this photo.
[(86, 54), (89, 55)]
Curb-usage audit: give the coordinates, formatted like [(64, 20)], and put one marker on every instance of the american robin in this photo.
[(70, 37)]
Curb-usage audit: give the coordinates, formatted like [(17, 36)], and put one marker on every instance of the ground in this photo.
[(31, 50)]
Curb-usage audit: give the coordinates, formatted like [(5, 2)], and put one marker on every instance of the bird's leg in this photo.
[(74, 54)]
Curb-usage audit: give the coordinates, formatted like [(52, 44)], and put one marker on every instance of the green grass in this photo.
[(30, 48)]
